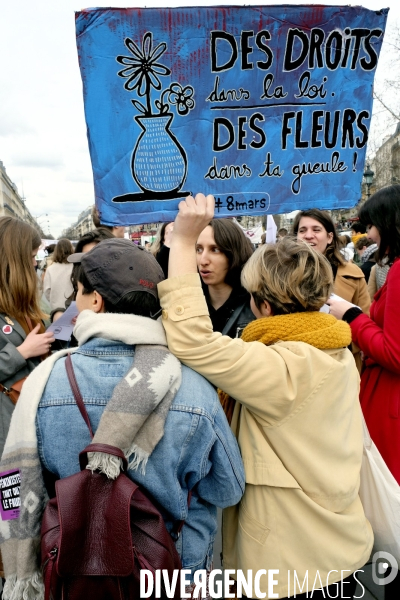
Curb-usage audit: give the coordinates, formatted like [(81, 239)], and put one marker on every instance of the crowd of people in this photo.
[(229, 377)]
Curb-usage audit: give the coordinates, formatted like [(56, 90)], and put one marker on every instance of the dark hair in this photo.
[(363, 242), (94, 236), (50, 249), (332, 251), (237, 248), (358, 227), (382, 209), (142, 304), (63, 249), (282, 231), (160, 239)]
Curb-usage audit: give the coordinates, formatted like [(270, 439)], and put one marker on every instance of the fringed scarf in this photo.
[(320, 330), (133, 420)]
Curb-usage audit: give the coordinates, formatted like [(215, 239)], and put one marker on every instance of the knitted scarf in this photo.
[(318, 329), (368, 253), (133, 420), (381, 272)]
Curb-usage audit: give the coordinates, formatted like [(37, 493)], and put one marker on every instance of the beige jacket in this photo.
[(350, 284), (299, 430)]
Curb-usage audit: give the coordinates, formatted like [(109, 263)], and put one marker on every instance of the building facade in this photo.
[(386, 163), (83, 225), (12, 204)]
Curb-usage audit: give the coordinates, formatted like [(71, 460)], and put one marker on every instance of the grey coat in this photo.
[(13, 367)]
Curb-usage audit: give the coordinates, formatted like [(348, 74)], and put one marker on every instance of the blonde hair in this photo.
[(290, 275), (18, 280)]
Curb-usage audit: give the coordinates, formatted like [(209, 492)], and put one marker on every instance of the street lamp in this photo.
[(368, 177)]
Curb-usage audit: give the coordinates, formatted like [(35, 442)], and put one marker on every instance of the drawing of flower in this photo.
[(155, 172), (142, 69), (181, 97), (142, 72)]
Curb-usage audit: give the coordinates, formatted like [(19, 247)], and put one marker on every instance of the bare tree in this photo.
[(386, 108)]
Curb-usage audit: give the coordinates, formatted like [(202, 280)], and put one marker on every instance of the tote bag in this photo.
[(380, 497)]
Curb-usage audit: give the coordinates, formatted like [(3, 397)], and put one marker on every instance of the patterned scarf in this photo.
[(133, 420), (381, 273), (318, 329), (368, 253)]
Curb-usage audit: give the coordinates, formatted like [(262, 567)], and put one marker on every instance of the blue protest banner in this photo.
[(265, 107)]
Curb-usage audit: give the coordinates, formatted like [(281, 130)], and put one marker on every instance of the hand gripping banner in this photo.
[(265, 107)]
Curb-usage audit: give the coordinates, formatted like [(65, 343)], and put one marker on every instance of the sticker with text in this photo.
[(10, 483)]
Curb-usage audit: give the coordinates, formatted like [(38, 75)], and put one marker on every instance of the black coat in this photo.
[(233, 316)]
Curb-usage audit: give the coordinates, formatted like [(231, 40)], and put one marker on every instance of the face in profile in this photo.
[(373, 234), (314, 233), (213, 265)]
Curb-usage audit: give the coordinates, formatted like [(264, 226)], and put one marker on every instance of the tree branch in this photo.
[(397, 117)]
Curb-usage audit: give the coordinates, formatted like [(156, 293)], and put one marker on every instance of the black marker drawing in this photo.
[(159, 162)]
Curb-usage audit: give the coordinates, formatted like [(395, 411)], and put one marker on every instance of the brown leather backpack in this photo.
[(97, 533)]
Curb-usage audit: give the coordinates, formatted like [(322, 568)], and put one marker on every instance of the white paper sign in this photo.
[(62, 328)]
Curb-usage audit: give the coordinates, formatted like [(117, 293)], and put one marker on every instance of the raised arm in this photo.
[(243, 370), (194, 215)]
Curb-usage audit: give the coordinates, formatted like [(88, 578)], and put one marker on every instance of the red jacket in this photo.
[(379, 339)]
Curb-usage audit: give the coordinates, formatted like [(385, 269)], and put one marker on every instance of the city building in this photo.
[(12, 204), (386, 163), (379, 172), (83, 224)]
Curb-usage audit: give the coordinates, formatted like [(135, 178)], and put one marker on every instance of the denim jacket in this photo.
[(198, 451)]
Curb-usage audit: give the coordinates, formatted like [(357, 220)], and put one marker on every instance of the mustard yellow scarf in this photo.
[(318, 329)]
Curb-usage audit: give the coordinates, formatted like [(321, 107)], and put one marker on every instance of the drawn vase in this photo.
[(159, 162)]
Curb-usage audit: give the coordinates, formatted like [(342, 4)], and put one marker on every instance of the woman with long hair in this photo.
[(317, 228), (57, 285), (160, 246), (23, 341), (378, 335), (296, 416), (222, 249)]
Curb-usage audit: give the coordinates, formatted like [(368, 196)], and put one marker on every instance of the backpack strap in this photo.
[(77, 393), (82, 409), (107, 449), (234, 316), (176, 531)]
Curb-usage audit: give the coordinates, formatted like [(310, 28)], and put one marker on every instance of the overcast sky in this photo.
[(43, 142)]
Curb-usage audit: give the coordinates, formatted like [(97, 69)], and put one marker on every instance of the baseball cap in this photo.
[(117, 266)]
